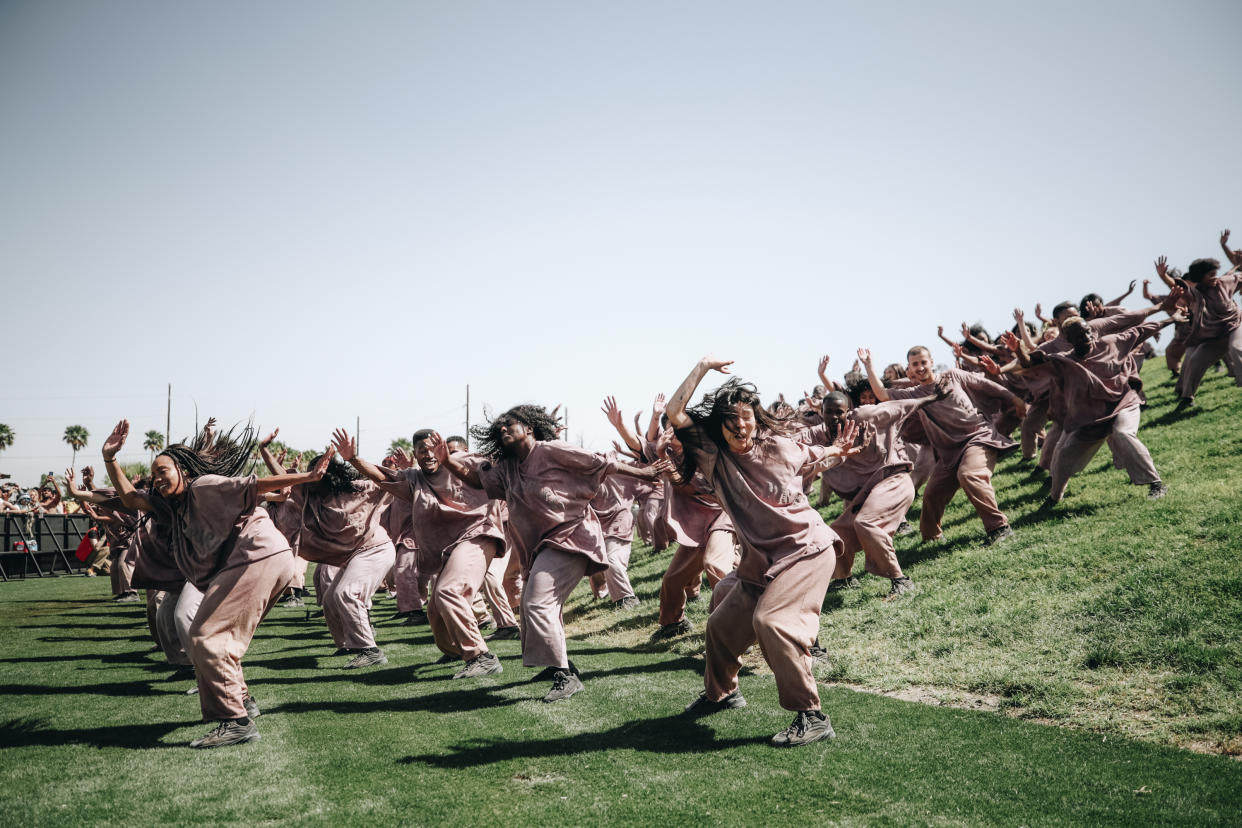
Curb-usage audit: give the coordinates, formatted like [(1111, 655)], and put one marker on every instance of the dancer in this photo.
[(743, 455), (1216, 324), (459, 528), (227, 548), (548, 486)]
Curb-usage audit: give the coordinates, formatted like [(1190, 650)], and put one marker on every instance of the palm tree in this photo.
[(6, 436), (76, 436), (403, 443), (153, 443)]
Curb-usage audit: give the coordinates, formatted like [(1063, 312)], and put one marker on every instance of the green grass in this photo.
[(1116, 617)]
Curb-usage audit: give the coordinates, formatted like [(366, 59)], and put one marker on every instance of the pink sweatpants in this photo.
[(1073, 453), (297, 573), (553, 576), (166, 625), (513, 581), (974, 475), (449, 609), (871, 528), (784, 619), (650, 526), (325, 574), (718, 557), (494, 592), (123, 572), (348, 600), (233, 605)]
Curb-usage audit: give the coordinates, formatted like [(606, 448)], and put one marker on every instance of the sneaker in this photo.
[(900, 587), (367, 658), (1048, 505), (127, 598), (483, 665), (838, 584), (549, 673), (414, 618), (703, 706), (227, 733), (504, 634), (342, 651), (1184, 403), (292, 602), (904, 528), (808, 726), (627, 603), (818, 653), (1157, 490), (997, 535), (193, 691), (673, 630), (252, 707), (564, 685)]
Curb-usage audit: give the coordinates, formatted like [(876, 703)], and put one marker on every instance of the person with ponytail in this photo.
[(227, 548)]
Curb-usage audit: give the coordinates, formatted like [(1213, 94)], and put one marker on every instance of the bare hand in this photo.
[(658, 405), (1169, 305), (986, 363), (439, 448), (711, 363), (1162, 267), (321, 468), (823, 364), (1010, 340), (267, 441), (660, 467), (864, 356), (402, 460), (345, 444), (1018, 315), (115, 441), (1039, 311), (612, 412)]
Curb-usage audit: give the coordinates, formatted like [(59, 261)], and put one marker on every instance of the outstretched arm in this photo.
[(618, 422), (460, 470), (131, 498), (81, 495), (279, 481), (273, 465), (348, 449), (651, 472), (1123, 296), (1039, 314), (1162, 270), (877, 385), (676, 410), (1234, 256), (943, 338), (1024, 331), (823, 374), (653, 427)]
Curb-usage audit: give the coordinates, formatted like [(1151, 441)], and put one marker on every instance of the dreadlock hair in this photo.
[(535, 417), (338, 479), (719, 407), (226, 456)]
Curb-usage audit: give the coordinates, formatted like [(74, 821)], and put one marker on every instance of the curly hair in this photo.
[(340, 478), (535, 417)]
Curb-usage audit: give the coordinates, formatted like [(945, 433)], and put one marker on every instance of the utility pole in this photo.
[(467, 435), (168, 419)]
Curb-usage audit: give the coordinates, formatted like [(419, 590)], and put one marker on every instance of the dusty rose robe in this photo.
[(613, 505), (690, 512), (884, 453), (332, 528), (1213, 313), (216, 525), (953, 423), (761, 491), (445, 511), (549, 498)]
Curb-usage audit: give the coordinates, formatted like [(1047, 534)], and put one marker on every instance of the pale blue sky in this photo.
[(312, 211)]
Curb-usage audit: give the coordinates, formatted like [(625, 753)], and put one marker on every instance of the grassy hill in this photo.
[(1114, 617)]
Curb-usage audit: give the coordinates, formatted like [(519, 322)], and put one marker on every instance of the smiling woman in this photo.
[(227, 548)]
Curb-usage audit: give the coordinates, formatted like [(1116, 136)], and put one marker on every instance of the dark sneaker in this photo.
[(367, 658), (1184, 403), (252, 707), (1157, 490), (340, 651), (838, 584), (564, 685), (808, 726), (484, 665), (504, 634), (293, 601), (818, 653), (549, 673), (672, 630), (227, 733), (900, 587), (1048, 505), (703, 706), (904, 528), (997, 535), (415, 617), (487, 624), (628, 603)]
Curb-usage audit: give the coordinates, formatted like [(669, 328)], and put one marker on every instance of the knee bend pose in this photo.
[(547, 485), (228, 549), (788, 552)]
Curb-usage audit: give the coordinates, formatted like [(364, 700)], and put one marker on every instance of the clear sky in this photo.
[(311, 211)]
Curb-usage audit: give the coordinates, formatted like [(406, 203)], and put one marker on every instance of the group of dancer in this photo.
[(509, 529)]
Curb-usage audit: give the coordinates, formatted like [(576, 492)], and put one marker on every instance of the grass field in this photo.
[(1115, 618)]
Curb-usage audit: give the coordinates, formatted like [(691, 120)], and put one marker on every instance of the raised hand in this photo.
[(1039, 311), (321, 468), (280, 458), (823, 364), (1162, 267), (864, 356), (115, 441), (402, 460), (612, 412), (662, 467), (1170, 302), (438, 447), (267, 441), (1019, 315), (988, 365), (1010, 340), (69, 478), (711, 363), (658, 405), (345, 444), (1224, 238), (965, 331)]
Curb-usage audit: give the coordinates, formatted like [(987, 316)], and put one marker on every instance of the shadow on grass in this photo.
[(34, 732), (676, 734)]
